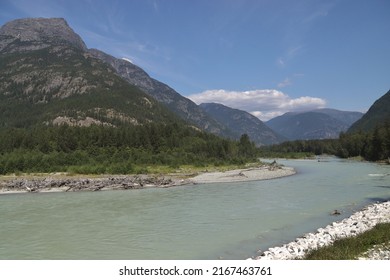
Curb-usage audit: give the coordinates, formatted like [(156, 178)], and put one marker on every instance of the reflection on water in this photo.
[(211, 221)]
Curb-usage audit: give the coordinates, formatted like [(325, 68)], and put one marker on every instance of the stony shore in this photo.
[(63, 183), (357, 223), (239, 175), (73, 184)]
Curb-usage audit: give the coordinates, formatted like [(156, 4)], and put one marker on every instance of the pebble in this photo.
[(86, 184), (357, 223), (378, 252)]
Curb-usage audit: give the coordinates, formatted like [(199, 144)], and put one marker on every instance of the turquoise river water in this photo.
[(210, 221)]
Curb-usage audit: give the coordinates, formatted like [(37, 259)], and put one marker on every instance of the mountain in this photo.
[(46, 64), (242, 122), (378, 113), (48, 76), (316, 124), (32, 34), (346, 117), (183, 107)]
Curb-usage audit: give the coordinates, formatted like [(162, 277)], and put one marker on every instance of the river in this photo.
[(210, 221)]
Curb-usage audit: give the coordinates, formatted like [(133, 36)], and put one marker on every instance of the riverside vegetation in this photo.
[(48, 76), (367, 138), (107, 150), (365, 234), (161, 148), (354, 247), (370, 145)]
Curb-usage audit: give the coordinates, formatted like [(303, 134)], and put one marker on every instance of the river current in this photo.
[(209, 221)]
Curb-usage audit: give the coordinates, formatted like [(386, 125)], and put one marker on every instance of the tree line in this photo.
[(372, 146), (129, 149)]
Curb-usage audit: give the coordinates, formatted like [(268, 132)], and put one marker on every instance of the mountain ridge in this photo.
[(377, 114), (243, 123), (29, 34), (45, 61), (177, 103), (315, 124), (44, 79)]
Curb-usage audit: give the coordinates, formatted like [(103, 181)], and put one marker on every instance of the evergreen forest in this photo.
[(370, 145), (129, 149)]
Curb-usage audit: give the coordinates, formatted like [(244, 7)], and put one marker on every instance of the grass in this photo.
[(180, 171), (190, 170), (352, 248)]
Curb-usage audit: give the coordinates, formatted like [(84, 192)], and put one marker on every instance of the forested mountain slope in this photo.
[(316, 124), (47, 76), (242, 122), (180, 105), (63, 108), (378, 114)]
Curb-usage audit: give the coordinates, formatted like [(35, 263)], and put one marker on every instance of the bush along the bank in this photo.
[(100, 149), (371, 146)]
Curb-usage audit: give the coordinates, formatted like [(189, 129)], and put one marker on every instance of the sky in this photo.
[(266, 57)]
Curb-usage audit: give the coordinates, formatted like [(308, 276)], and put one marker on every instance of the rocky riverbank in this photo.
[(265, 172), (359, 222), (63, 184)]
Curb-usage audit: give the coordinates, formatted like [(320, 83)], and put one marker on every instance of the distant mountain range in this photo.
[(49, 76), (378, 114), (316, 124), (242, 122)]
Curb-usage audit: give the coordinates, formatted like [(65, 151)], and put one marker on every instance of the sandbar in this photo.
[(242, 175), (53, 183)]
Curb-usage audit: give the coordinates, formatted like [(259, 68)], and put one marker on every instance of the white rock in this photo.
[(357, 223)]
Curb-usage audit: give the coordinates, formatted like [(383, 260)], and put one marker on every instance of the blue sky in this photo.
[(263, 56)]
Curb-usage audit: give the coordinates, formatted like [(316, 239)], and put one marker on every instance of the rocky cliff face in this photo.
[(34, 34)]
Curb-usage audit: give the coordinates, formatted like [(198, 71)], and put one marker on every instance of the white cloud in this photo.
[(128, 60), (281, 62), (289, 80), (289, 55), (320, 12), (155, 6), (265, 116), (263, 103), (286, 82)]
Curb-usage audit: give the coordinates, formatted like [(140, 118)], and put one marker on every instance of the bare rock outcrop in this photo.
[(37, 33)]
